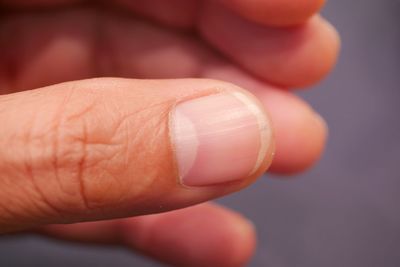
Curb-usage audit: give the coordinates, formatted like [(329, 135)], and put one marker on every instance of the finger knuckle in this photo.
[(79, 155)]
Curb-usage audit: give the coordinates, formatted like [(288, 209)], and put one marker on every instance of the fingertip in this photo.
[(204, 235), (316, 48), (316, 66), (245, 243), (314, 134), (300, 132), (232, 243), (311, 134)]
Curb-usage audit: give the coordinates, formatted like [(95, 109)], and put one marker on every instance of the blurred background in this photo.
[(346, 211)]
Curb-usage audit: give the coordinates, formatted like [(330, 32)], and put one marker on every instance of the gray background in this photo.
[(343, 213)]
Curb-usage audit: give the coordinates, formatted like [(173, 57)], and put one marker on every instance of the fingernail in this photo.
[(219, 138)]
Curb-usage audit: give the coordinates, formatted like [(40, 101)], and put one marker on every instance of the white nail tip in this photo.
[(264, 126)]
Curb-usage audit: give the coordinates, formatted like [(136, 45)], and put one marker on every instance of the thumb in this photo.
[(108, 148)]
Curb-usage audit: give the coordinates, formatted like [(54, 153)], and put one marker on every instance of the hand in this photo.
[(90, 150)]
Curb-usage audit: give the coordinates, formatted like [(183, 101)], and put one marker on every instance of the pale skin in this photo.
[(64, 146)]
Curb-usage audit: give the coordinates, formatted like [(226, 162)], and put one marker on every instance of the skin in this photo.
[(47, 42)]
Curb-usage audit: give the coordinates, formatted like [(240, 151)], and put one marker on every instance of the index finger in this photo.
[(183, 13)]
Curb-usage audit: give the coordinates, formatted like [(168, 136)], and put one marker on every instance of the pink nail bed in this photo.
[(219, 138)]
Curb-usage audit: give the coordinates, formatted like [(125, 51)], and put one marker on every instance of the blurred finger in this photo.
[(204, 235), (184, 13), (291, 57)]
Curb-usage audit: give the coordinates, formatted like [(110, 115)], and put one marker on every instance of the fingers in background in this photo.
[(203, 235), (138, 50), (86, 44), (42, 49), (109, 148), (183, 13), (291, 57)]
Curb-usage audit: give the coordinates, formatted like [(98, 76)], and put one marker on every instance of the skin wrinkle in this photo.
[(58, 139), (104, 166), (85, 147), (82, 139), (134, 114), (99, 163), (28, 165), (55, 140), (143, 187), (8, 211), (79, 149), (89, 162), (81, 164), (29, 170), (7, 182), (120, 129), (141, 134), (83, 144), (123, 128)]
